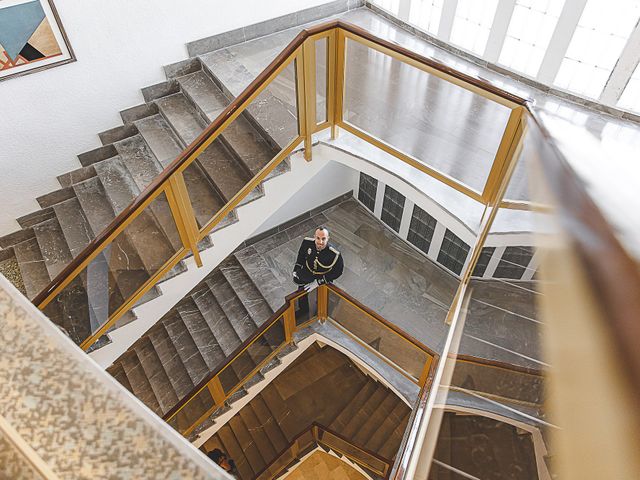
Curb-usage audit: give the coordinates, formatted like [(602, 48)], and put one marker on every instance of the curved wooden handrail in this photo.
[(161, 180), (319, 426)]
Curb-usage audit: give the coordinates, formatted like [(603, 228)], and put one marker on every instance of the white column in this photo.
[(498, 31), (493, 262), (403, 11), (405, 222), (436, 241), (534, 263), (377, 209), (560, 40), (446, 19), (625, 66)]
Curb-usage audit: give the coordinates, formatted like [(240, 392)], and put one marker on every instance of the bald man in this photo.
[(317, 260)]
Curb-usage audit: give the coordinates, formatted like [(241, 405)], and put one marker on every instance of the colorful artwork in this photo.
[(31, 37)]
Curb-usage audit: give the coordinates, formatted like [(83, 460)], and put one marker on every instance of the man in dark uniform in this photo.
[(318, 261)]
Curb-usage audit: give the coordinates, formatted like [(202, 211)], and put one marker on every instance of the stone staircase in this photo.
[(484, 448), (152, 135), (321, 385), (197, 336)]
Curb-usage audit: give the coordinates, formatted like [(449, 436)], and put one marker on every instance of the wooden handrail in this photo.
[(319, 426), (213, 129), (611, 272)]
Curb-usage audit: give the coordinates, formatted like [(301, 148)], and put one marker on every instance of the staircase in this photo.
[(321, 385), (196, 337), (153, 134)]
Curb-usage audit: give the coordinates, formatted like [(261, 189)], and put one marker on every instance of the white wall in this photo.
[(48, 117), (332, 181)]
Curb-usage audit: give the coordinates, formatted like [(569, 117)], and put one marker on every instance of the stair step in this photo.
[(264, 279), (258, 434), (53, 246), (268, 423), (36, 217), (240, 136), (16, 237), (32, 266), (117, 134), (117, 372), (280, 412), (139, 382), (200, 331), (97, 155), (139, 112), (161, 140), (156, 375), (186, 347), (365, 412), (390, 448), (74, 224), (352, 408), (384, 431), (170, 360), (144, 232), (81, 174), (246, 290), (247, 444), (234, 451), (226, 336), (222, 168), (376, 419), (231, 305)]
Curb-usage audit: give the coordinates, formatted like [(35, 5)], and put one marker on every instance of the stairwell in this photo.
[(321, 385)]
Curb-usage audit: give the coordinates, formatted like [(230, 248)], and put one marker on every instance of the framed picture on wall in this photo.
[(31, 38)]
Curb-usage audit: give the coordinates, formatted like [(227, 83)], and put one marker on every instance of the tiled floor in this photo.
[(321, 466)]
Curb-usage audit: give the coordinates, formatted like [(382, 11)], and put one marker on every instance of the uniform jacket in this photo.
[(326, 263)]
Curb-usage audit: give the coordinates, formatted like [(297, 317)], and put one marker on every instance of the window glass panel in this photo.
[(426, 14), (472, 23), (392, 208), (529, 33), (421, 229), (514, 262), (630, 98), (453, 252), (367, 191), (596, 45), (483, 261)]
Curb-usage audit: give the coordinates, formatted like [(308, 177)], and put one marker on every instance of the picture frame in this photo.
[(32, 38)]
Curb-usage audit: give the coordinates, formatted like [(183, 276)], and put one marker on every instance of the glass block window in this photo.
[(514, 262), (367, 191), (530, 30), (472, 23), (426, 14), (392, 207), (483, 261), (453, 252), (421, 229), (601, 34)]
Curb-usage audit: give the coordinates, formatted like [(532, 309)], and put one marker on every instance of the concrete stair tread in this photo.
[(246, 290), (32, 266), (185, 346), (218, 323), (199, 330), (264, 279), (170, 361), (231, 305), (139, 382), (53, 246), (156, 375), (234, 450), (246, 442)]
